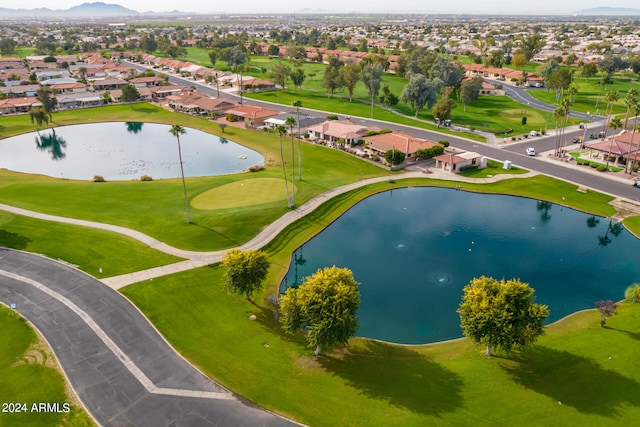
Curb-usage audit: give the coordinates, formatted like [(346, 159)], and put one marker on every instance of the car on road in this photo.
[(531, 151), (534, 133)]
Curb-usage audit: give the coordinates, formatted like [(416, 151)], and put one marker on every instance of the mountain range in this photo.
[(106, 10), (85, 10)]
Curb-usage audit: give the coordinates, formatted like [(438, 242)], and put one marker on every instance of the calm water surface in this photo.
[(123, 151), (414, 249)]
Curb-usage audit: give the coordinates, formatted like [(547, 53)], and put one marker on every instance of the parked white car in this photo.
[(531, 151)]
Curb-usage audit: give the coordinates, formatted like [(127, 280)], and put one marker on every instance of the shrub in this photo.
[(468, 167), (443, 142), (306, 135), (232, 118), (98, 178), (255, 168), (332, 117), (526, 135), (593, 165), (632, 293), (601, 168), (634, 169), (146, 178)]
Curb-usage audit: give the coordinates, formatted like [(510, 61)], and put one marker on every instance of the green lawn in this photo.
[(26, 378), (493, 168), (87, 248), (156, 208), (587, 368)]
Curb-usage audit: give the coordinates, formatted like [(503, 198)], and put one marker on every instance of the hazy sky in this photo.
[(287, 6)]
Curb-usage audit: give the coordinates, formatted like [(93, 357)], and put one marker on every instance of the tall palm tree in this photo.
[(611, 97), (38, 116), (635, 110), (629, 102), (291, 122), (297, 103), (48, 100), (565, 108), (177, 130), (281, 131)]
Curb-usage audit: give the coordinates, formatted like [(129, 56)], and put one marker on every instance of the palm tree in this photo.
[(177, 130), (281, 131), (297, 103), (611, 97), (629, 102), (291, 122), (635, 109), (38, 116), (48, 101), (565, 108)]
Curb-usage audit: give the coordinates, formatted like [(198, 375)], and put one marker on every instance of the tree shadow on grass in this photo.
[(631, 334), (398, 375), (13, 240), (574, 380), (231, 241)]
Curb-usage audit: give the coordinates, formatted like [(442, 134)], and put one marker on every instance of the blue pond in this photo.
[(123, 151), (414, 249)]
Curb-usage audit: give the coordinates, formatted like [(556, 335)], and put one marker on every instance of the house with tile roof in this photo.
[(333, 130), (399, 141)]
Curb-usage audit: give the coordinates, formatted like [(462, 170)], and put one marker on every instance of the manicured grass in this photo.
[(589, 369), (633, 225), (26, 378), (156, 208), (587, 95), (493, 168), (87, 248), (242, 193)]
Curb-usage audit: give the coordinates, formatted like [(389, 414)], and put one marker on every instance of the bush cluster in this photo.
[(428, 153), (443, 142), (146, 178), (98, 178), (255, 168)]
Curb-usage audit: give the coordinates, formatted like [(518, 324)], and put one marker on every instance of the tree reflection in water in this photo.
[(52, 143), (134, 127)]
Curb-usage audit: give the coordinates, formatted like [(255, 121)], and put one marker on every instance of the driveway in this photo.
[(122, 370)]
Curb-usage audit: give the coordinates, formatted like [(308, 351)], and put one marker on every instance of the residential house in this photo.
[(399, 141), (453, 161), (18, 105), (252, 115), (333, 130)]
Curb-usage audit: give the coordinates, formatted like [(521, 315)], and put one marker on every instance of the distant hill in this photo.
[(85, 10), (610, 11)]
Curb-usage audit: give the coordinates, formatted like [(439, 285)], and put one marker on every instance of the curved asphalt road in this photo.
[(122, 370)]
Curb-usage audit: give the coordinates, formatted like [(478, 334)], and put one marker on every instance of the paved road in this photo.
[(515, 154), (122, 370)]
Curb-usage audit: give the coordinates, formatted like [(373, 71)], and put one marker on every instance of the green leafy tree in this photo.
[(245, 271), (130, 94), (530, 44), (470, 90), (371, 76), (443, 108), (559, 80), (519, 60), (388, 98), (350, 76), (501, 314), (588, 70), (394, 157), (273, 50), (630, 101), (177, 130), (213, 56), (298, 76), (324, 306), (280, 73), (419, 92), (332, 80), (7, 45)]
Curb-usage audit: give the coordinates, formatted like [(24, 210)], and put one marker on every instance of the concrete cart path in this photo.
[(194, 259), (121, 368)]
